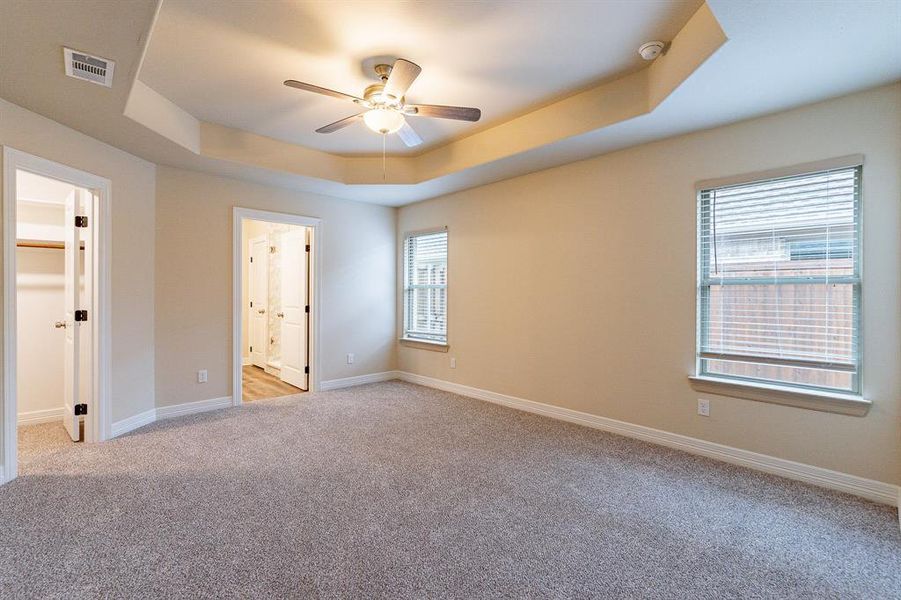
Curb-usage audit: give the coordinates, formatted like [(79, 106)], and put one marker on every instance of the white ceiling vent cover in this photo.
[(89, 68)]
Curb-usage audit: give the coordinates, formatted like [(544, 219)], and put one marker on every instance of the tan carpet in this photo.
[(397, 491), (37, 442)]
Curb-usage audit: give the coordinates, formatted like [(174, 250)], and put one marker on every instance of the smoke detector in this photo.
[(89, 68), (651, 50)]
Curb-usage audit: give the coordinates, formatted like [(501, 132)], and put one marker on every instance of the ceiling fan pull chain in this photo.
[(384, 165)]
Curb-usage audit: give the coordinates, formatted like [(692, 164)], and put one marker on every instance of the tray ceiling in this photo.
[(227, 65)]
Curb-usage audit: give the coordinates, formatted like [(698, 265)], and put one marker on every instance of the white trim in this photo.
[(191, 408), (2, 478), (134, 422), (763, 391), (33, 417), (335, 384), (239, 215), (98, 424), (841, 162), (870, 489), (246, 361), (169, 412)]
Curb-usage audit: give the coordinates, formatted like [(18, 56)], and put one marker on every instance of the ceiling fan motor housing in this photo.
[(375, 94)]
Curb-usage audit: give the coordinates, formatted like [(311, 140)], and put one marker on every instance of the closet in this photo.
[(45, 372)]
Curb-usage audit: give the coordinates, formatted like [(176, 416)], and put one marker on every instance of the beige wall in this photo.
[(194, 280), (575, 286), (131, 240)]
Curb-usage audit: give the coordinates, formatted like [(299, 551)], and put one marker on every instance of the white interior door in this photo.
[(72, 348), (257, 322), (294, 307)]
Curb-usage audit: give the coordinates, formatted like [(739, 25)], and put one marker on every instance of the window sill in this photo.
[(834, 402), (425, 345)]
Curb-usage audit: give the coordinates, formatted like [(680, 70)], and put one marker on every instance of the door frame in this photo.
[(98, 424), (239, 215)]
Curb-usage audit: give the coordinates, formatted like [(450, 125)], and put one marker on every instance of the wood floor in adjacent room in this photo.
[(257, 384), (393, 490)]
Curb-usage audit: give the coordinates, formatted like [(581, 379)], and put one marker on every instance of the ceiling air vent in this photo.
[(89, 68)]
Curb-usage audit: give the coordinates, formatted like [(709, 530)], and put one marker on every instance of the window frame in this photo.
[(406, 337), (759, 387)]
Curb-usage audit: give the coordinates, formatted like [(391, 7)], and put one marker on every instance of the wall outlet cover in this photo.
[(703, 407), (202, 376), (350, 358)]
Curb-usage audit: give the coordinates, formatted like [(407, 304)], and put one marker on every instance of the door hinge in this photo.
[(308, 308), (251, 259), (308, 247), (81, 221), (81, 409), (306, 370), (81, 315), (251, 304), (251, 348)]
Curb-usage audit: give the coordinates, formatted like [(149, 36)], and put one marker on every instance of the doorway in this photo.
[(54, 303), (275, 304)]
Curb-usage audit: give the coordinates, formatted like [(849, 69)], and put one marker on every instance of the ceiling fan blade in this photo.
[(324, 91), (458, 113), (408, 135), (339, 124), (402, 76)]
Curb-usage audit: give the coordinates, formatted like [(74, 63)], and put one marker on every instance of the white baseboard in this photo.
[(2, 478), (168, 412), (33, 417), (133, 422), (334, 384), (246, 362), (190, 408), (870, 489)]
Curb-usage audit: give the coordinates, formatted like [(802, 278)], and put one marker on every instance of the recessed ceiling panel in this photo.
[(225, 62)]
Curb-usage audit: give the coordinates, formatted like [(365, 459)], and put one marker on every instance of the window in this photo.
[(425, 286), (779, 281)]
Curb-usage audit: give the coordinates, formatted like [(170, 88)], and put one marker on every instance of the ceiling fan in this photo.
[(385, 104)]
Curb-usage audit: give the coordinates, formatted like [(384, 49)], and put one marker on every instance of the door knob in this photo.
[(280, 315), (60, 324)]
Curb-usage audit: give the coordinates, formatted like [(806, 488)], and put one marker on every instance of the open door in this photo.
[(294, 307), (71, 318), (86, 299), (258, 320)]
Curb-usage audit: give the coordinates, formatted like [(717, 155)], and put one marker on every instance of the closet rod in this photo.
[(51, 245)]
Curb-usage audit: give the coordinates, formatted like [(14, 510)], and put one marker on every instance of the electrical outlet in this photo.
[(201, 376), (350, 359), (703, 407), (453, 363)]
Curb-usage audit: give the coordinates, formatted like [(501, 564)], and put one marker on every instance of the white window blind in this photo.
[(425, 286), (779, 280)]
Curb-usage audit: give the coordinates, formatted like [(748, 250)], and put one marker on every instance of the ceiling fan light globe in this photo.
[(384, 121)]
